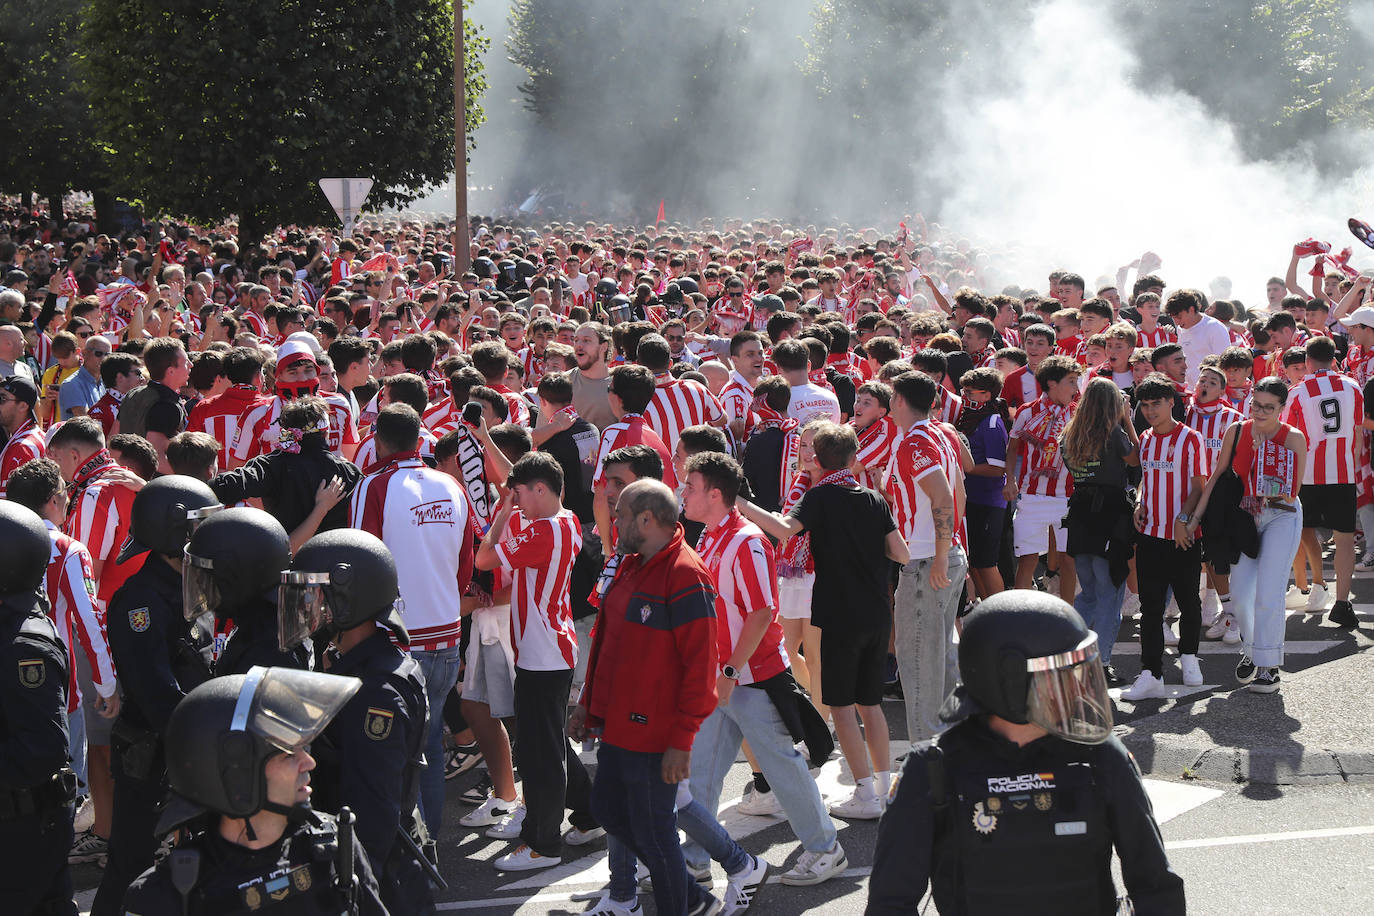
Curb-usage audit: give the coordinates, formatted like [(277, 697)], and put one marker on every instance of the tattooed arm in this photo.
[(937, 490)]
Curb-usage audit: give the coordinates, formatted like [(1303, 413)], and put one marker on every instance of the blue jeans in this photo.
[(635, 805), (1099, 603), (1258, 586), (440, 668), (700, 827), (751, 715)]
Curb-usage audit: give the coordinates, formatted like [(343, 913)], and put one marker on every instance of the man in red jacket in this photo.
[(651, 681)]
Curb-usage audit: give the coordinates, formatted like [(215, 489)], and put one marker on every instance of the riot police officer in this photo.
[(239, 764), (158, 663), (342, 589), (234, 562), (1017, 806), (37, 787)]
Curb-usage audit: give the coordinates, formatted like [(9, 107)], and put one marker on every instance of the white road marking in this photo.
[(1285, 837), (1217, 647)]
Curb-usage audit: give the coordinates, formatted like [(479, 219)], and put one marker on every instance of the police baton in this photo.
[(423, 859), (347, 879)]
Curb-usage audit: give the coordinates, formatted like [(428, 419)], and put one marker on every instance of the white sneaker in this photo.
[(575, 837), (85, 816), (1130, 605), (1171, 611), (816, 867), (759, 804), (1232, 636), (1146, 687), (522, 858), (1295, 599), (1211, 608), (742, 888), (607, 906), (859, 808), (1170, 637), (1192, 674), (1366, 562), (509, 826), (1218, 629), (1316, 599), (492, 811)]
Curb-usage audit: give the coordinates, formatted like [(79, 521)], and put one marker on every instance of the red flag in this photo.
[(660, 217), (70, 288), (383, 261)]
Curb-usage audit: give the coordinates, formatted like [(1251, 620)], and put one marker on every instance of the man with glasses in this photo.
[(23, 437), (80, 392)]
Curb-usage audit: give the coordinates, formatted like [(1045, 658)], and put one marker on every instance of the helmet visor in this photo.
[(302, 606), (1068, 694), (199, 592), (194, 517), (289, 708)]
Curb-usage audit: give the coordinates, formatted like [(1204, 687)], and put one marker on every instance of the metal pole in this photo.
[(462, 254)]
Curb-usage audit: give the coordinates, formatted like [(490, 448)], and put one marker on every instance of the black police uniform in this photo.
[(254, 641), (1019, 829), (158, 664), (370, 757), (36, 786), (295, 875)]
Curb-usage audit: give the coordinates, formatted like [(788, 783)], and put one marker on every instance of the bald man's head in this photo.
[(646, 516), (11, 343)]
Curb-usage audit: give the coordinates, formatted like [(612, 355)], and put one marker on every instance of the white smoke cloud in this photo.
[(1072, 166)]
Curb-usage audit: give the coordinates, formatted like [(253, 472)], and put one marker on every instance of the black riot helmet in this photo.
[(339, 580), (524, 269), (1028, 657), (687, 285), (484, 267), (27, 548), (232, 557), (221, 735), (165, 512), (606, 288)]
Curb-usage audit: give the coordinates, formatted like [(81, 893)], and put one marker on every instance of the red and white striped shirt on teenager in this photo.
[(515, 401), (259, 431), (1211, 421), (876, 442), (736, 399), (26, 444), (366, 455), (1161, 334), (922, 450), (343, 421), (1329, 409), (423, 517), (99, 517), (219, 416), (632, 430), (539, 553), (744, 570), (1020, 387), (954, 473), (1168, 464), (678, 404), (1011, 337), (950, 406), (106, 410), (71, 589), (442, 416), (1040, 470), (534, 366), (256, 323)]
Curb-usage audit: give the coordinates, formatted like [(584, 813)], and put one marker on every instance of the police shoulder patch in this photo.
[(377, 723), (32, 672), (139, 619)]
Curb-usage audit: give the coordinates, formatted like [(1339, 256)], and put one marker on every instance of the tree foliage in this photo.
[(237, 107)]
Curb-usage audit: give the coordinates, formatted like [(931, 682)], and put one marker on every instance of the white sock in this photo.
[(884, 780), (864, 788)]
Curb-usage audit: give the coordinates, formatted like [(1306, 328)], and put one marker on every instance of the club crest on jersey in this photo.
[(378, 722), (644, 613), (139, 619), (32, 673)]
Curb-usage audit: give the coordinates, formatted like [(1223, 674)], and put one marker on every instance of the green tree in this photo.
[(50, 142), (237, 107)]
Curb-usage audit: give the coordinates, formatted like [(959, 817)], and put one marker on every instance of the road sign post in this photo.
[(346, 196)]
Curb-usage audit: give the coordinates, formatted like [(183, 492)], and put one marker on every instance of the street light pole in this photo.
[(461, 250)]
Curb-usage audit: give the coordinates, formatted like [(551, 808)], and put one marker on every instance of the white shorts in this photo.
[(489, 676), (1035, 516), (794, 597)]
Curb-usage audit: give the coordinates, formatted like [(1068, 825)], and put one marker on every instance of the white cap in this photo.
[(1363, 315)]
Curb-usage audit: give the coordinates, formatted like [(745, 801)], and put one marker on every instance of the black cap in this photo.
[(22, 387)]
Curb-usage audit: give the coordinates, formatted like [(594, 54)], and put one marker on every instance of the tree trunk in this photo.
[(250, 228), (104, 201), (55, 211), (27, 200)]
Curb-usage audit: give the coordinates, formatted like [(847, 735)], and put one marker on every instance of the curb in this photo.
[(1274, 766)]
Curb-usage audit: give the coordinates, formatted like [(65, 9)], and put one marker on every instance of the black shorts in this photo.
[(1328, 505), (852, 666), (984, 534)]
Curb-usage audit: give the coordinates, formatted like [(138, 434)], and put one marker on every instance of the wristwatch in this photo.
[(1183, 517), (731, 672)]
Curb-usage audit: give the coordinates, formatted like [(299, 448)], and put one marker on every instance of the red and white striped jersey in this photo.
[(1329, 409), (1075, 347), (71, 591), (744, 570), (42, 350), (1211, 421), (876, 442), (923, 450), (1020, 387), (259, 431), (256, 323), (1168, 465), (539, 555), (519, 407), (1041, 470), (106, 410), (1162, 334), (950, 408), (422, 515), (632, 430), (678, 404), (220, 416), (534, 366), (1359, 366), (442, 416), (736, 399), (366, 455), (954, 472), (99, 517), (343, 422), (26, 444)]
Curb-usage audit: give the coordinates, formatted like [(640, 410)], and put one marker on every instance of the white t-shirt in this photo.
[(811, 402), (1206, 337)]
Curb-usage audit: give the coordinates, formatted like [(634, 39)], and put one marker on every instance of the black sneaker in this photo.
[(460, 759), (1245, 670), (1267, 681), (1113, 679), (1343, 615), (478, 793)]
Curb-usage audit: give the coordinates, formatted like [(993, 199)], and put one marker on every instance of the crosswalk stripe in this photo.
[(1208, 647)]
